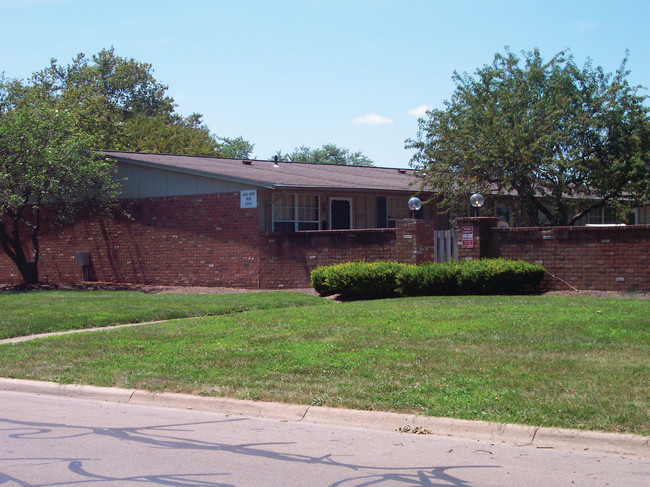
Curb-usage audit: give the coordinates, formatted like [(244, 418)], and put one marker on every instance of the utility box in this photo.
[(83, 259)]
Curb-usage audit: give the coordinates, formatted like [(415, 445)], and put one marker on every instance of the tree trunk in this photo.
[(12, 244), (29, 271)]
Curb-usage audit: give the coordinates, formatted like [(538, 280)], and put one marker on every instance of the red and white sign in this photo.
[(467, 236)]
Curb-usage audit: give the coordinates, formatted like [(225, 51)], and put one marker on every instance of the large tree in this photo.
[(236, 148), (566, 140), (47, 169), (121, 103), (328, 154)]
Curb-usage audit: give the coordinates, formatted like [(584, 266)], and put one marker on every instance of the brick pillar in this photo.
[(414, 241), (477, 229)]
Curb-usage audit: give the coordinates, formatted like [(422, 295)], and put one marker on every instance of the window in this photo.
[(295, 212), (396, 209), (503, 214), (308, 214), (393, 208), (601, 216), (284, 210)]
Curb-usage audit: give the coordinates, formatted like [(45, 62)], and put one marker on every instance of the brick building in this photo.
[(253, 224), (223, 222)]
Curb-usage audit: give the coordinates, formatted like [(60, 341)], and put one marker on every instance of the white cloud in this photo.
[(373, 119), (585, 26), (420, 111)]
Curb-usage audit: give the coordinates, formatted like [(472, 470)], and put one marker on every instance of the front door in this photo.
[(340, 214)]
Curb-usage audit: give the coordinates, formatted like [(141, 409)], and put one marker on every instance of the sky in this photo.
[(285, 74)]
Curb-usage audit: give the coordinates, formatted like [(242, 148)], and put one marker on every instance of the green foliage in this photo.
[(577, 138), (236, 148), (156, 134), (374, 280), (429, 279), (357, 280), (498, 276), (328, 154), (46, 163), (120, 102), (319, 280)]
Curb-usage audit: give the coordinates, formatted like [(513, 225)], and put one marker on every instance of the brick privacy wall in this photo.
[(289, 258), (587, 258), (210, 241), (185, 240)]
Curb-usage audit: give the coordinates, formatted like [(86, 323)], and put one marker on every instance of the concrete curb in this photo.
[(519, 435)]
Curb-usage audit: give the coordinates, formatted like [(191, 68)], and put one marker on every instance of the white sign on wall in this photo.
[(248, 199)]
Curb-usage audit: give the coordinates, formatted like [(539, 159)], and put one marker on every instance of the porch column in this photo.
[(473, 236), (414, 241)]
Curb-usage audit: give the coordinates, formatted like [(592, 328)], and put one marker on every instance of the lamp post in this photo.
[(414, 205), (476, 200)]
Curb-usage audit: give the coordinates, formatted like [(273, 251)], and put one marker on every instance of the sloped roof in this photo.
[(284, 175)]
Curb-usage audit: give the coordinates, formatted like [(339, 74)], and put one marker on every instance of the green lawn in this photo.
[(551, 361), (28, 313)]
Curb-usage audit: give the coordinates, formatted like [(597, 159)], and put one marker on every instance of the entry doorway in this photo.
[(340, 213)]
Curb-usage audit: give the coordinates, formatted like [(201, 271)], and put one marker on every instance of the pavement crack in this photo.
[(305, 413), (534, 435)]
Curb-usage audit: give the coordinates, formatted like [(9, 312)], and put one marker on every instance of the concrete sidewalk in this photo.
[(518, 435)]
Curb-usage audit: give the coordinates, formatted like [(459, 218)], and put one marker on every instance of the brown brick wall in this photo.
[(184, 240), (288, 258), (587, 258), (209, 241)]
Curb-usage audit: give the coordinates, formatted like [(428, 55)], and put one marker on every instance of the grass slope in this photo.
[(565, 362), (28, 313)]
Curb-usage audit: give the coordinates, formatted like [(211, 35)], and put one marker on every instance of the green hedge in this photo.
[(374, 280), (499, 276), (429, 279), (357, 280)]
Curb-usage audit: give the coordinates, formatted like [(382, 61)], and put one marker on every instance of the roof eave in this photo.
[(345, 188), (195, 172)]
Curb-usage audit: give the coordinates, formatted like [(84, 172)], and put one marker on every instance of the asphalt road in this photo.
[(53, 441)]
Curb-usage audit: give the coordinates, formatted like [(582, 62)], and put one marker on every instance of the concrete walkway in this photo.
[(27, 338)]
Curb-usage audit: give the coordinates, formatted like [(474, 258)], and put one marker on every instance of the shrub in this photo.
[(475, 276), (319, 280), (428, 279), (373, 280), (357, 280)]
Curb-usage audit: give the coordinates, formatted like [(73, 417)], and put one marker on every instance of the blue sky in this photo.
[(356, 73)]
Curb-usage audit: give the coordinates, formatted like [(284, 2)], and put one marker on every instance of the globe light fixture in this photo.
[(476, 200), (414, 205)]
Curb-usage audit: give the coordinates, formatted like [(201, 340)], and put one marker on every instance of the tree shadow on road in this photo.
[(169, 436)]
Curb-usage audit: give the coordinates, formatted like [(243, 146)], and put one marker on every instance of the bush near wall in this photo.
[(357, 280), (375, 280)]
